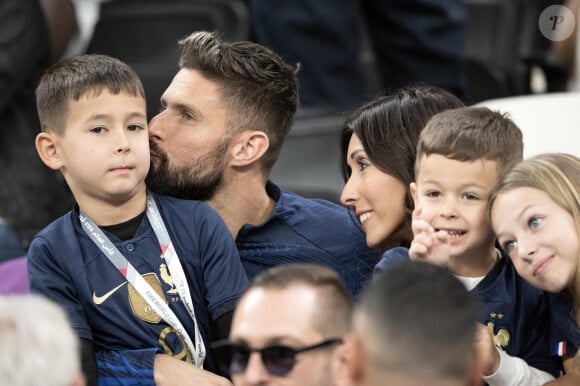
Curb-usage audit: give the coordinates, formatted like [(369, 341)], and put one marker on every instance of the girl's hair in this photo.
[(389, 127), (557, 175)]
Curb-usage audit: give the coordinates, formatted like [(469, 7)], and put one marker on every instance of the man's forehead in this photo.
[(291, 306), (262, 319), (295, 293)]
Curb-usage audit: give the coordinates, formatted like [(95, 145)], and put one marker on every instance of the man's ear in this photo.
[(349, 361), (413, 189), (248, 147), (46, 147)]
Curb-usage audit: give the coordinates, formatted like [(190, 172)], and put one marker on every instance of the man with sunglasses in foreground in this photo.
[(287, 327)]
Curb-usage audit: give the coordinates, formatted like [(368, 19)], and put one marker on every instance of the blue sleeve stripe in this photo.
[(105, 368), (124, 368), (129, 381)]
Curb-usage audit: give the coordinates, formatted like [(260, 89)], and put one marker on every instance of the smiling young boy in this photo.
[(140, 274), (461, 155)]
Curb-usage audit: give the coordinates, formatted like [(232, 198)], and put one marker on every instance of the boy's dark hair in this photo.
[(470, 134), (71, 78), (257, 86)]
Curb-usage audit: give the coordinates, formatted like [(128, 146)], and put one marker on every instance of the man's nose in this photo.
[(256, 373), (155, 126)]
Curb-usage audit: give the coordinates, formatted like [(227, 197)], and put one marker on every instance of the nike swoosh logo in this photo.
[(100, 299)]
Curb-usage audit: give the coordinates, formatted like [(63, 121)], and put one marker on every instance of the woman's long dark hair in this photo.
[(389, 127)]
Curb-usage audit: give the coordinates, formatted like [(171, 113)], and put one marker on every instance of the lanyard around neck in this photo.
[(196, 352)]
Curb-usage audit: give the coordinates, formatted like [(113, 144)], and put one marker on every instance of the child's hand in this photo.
[(565, 380), (486, 348), (428, 245)]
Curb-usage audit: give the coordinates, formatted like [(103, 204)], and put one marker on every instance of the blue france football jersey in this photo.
[(66, 266)]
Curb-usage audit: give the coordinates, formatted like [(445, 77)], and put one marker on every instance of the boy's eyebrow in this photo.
[(475, 184), (95, 117), (133, 114), (462, 186), (137, 114)]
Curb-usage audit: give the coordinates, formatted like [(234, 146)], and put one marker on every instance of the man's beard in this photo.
[(197, 180)]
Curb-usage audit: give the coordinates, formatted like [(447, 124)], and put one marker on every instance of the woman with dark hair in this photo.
[(378, 148)]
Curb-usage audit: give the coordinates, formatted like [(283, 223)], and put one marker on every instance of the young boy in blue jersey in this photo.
[(146, 279), (461, 155)]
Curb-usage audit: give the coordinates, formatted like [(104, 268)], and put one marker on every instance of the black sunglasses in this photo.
[(278, 359)]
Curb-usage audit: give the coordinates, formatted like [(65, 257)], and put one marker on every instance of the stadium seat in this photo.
[(309, 163), (503, 45), (549, 122)]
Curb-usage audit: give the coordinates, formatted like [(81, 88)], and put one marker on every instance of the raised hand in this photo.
[(565, 380), (428, 244)]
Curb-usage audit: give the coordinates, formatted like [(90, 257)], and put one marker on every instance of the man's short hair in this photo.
[(258, 88), (419, 321)]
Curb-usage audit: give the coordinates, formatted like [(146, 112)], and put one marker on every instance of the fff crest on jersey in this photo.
[(140, 306), (501, 337)]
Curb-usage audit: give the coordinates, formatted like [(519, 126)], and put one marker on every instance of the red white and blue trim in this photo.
[(560, 349)]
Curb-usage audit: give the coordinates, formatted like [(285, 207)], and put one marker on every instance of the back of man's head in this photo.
[(416, 323), (37, 343), (258, 88), (472, 134)]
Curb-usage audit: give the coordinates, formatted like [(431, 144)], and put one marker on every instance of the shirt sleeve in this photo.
[(536, 349), (564, 332), (128, 367), (50, 277), (515, 371), (223, 271), (390, 258)]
